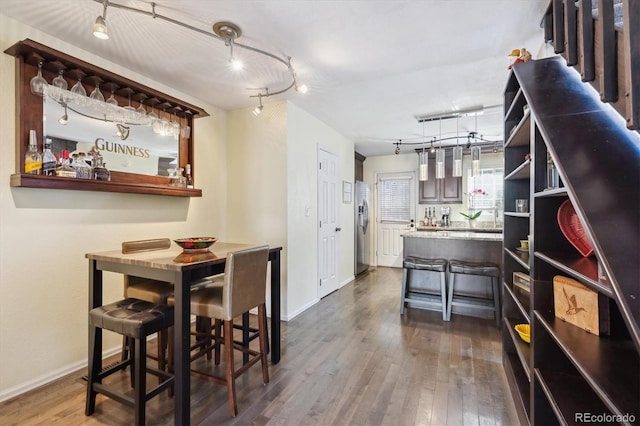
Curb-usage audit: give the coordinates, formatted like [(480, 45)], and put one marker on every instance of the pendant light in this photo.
[(424, 165), (475, 161), (457, 155), (440, 163), (423, 158), (475, 155), (440, 158)]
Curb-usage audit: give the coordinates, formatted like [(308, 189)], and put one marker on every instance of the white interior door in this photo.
[(395, 215), (328, 227)]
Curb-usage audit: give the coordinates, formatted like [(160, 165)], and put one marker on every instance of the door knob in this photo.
[(338, 229)]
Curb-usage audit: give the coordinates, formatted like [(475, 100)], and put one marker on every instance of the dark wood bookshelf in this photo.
[(566, 370)]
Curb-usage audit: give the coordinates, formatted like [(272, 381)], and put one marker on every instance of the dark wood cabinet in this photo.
[(567, 373), (359, 167), (438, 191)]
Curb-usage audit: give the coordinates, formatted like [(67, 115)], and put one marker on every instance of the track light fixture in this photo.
[(224, 31), (100, 27), (257, 110), (229, 32), (398, 146)]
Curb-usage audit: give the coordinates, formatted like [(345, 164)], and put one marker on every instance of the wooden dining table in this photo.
[(181, 269)]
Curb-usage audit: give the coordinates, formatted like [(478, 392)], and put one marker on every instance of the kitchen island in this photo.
[(460, 245)]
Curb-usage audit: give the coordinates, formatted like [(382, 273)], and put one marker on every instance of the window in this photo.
[(396, 200), (490, 181)]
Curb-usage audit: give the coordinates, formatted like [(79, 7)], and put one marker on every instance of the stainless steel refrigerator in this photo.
[(363, 234)]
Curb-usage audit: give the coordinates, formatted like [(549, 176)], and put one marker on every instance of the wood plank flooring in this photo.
[(352, 359)]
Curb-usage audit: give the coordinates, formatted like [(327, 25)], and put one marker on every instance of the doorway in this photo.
[(328, 226), (396, 201)]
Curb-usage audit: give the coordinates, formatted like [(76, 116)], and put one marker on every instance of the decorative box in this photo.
[(521, 281), (576, 304)]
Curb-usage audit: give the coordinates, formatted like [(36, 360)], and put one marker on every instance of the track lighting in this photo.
[(398, 146), (227, 32), (257, 110), (100, 27)]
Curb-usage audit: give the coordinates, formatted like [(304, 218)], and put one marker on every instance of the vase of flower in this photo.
[(471, 217)]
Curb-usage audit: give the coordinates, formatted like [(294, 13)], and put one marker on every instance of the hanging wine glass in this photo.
[(175, 129), (97, 94), (38, 83), (112, 99), (129, 112), (78, 88), (141, 111), (153, 117), (60, 82)]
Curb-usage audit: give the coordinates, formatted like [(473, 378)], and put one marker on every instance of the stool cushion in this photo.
[(436, 265), (487, 269), (132, 317)]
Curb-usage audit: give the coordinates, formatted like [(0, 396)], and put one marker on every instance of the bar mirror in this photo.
[(125, 137)]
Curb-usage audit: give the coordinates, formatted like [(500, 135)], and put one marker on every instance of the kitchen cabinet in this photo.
[(438, 191), (566, 372)]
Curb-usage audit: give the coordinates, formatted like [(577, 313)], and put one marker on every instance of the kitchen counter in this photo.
[(488, 228), (455, 235)]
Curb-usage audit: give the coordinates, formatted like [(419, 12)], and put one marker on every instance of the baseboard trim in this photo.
[(300, 310), (347, 281), (54, 375)]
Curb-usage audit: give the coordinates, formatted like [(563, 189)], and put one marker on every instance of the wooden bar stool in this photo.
[(484, 269), (424, 301), (135, 319)]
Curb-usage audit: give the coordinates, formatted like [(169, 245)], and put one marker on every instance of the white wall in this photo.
[(44, 234), (272, 166), (257, 180), (305, 134)]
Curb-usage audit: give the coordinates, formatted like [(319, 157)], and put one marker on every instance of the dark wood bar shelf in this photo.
[(522, 348), (50, 182), (584, 269), (610, 366), (521, 172), (514, 214), (518, 378), (520, 257), (556, 192), (29, 116), (523, 305), (520, 135), (567, 395)]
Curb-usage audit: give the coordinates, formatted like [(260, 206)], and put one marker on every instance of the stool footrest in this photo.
[(473, 302)]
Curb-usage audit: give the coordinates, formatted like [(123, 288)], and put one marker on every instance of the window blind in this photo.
[(395, 199)]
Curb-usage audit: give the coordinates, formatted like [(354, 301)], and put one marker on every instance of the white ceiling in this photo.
[(371, 65)]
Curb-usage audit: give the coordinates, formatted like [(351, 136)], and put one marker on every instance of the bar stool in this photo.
[(484, 269), (136, 319), (412, 263), (243, 289)]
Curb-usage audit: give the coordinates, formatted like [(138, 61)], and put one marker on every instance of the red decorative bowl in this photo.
[(196, 243), (573, 230)]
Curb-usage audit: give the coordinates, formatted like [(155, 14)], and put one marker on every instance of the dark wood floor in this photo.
[(350, 360)]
